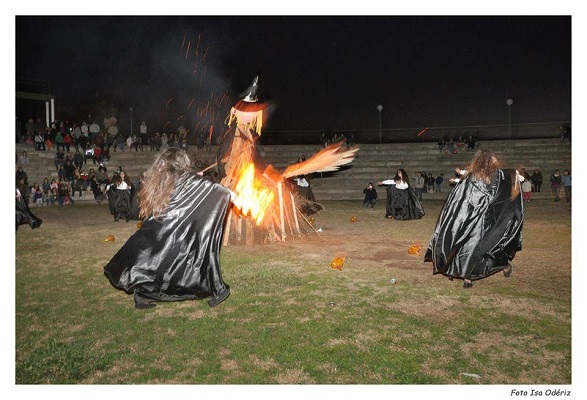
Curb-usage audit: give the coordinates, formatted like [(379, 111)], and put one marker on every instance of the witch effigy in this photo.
[(272, 209)]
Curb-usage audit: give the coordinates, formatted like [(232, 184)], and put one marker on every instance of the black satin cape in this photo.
[(403, 204), (479, 228), (25, 216), (176, 256), (123, 203)]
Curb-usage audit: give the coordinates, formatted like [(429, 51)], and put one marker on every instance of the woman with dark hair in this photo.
[(479, 229), (174, 256), (402, 201), (119, 196)]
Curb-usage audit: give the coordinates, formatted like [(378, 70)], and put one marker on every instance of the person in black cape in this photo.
[(174, 256), (24, 215), (122, 198), (479, 229), (402, 201)]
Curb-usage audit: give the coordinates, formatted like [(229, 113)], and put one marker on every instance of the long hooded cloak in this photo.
[(176, 256), (479, 229)]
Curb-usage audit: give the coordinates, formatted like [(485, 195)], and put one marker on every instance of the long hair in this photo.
[(404, 176), (483, 166), (159, 181)]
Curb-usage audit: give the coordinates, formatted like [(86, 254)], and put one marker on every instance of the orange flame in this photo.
[(253, 195)]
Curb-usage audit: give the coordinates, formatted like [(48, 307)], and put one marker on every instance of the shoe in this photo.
[(467, 284), (143, 302), (214, 301), (507, 271)]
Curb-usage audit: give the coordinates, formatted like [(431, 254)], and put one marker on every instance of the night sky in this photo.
[(320, 72)]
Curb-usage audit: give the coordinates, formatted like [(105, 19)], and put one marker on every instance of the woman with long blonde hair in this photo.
[(479, 229), (174, 255)]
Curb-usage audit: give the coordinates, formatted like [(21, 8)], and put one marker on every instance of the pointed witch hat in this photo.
[(250, 95)]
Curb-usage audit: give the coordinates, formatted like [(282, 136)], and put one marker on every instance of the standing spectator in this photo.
[(439, 180), (536, 180), (143, 135), (85, 129), (94, 130), (430, 181), (555, 185), (441, 145), (67, 141), (419, 185), (83, 142), (526, 190), (370, 196), (566, 182), (23, 188), (21, 174), (69, 168), (59, 141)]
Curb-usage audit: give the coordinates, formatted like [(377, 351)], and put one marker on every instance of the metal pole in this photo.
[(130, 108), (379, 108), (379, 127)]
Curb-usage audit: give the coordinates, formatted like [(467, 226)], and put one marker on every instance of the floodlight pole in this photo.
[(379, 108), (509, 102)]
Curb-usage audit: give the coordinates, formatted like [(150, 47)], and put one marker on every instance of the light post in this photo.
[(379, 108), (509, 102), (130, 108)]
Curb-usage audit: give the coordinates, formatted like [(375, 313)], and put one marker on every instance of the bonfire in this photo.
[(268, 209)]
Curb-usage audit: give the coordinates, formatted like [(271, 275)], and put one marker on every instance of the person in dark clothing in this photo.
[(479, 229), (174, 255), (370, 196)]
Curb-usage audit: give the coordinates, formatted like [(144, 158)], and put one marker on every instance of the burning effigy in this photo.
[(268, 209)]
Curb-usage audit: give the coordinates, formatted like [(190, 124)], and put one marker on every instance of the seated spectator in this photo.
[(53, 197), (46, 187), (48, 143), (59, 158), (39, 141), (102, 175), (97, 156), (99, 195), (78, 159), (69, 169), (76, 187), (64, 194), (61, 173), (24, 159), (37, 194)]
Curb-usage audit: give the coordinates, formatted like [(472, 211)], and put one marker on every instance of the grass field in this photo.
[(291, 318)]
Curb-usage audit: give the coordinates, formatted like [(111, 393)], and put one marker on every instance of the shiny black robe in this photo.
[(176, 256), (25, 216), (403, 204), (479, 229)]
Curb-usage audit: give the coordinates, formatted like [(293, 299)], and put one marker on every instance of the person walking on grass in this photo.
[(479, 229)]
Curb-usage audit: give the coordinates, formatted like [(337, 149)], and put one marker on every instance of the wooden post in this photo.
[(295, 214), (282, 227)]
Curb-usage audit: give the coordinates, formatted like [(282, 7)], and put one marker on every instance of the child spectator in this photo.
[(526, 190), (370, 196), (37, 194)]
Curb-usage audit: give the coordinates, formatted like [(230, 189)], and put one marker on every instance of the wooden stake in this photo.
[(295, 214), (282, 228), (227, 228)]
